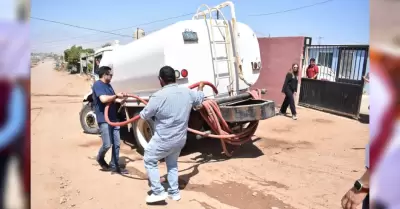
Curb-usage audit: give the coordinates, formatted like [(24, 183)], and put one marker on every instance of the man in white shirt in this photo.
[(385, 131), (359, 192)]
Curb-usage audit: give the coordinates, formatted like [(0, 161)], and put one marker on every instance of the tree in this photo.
[(105, 45), (66, 53), (89, 67), (73, 54), (89, 51)]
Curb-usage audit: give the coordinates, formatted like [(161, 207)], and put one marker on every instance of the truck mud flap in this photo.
[(248, 110)]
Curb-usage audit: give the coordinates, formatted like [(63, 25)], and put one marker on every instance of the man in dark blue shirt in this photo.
[(103, 93)]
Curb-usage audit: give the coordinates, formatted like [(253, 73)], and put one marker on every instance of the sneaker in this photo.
[(279, 113), (176, 197), (156, 198), (294, 117)]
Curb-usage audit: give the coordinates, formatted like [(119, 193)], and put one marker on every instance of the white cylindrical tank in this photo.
[(137, 64)]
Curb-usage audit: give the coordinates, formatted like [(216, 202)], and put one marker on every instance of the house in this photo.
[(338, 62)]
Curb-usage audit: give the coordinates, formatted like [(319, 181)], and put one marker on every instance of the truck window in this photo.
[(96, 65)]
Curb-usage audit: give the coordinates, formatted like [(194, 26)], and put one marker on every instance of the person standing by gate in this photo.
[(312, 70), (290, 89)]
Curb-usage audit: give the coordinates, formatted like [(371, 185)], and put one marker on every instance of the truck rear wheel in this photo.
[(142, 131), (88, 120)]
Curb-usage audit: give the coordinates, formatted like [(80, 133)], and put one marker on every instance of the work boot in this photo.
[(104, 166)]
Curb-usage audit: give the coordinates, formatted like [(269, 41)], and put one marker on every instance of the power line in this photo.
[(77, 26), (50, 43), (106, 38), (103, 39), (319, 39), (160, 20), (290, 10), (103, 36), (118, 29)]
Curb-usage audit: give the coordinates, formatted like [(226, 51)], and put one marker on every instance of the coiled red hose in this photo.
[(212, 116)]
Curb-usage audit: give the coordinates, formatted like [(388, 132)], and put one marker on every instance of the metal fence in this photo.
[(335, 97), (338, 63), (339, 84)]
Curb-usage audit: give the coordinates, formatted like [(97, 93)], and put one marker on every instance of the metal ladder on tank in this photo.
[(214, 24)]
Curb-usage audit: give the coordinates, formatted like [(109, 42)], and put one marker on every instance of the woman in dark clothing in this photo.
[(290, 89)]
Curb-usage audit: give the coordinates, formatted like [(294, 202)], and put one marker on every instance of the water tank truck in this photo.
[(223, 52)]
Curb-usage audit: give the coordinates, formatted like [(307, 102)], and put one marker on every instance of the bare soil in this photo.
[(308, 163)]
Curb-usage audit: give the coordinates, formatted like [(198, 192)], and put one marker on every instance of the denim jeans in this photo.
[(110, 137), (153, 153), (365, 204), (4, 159), (17, 150)]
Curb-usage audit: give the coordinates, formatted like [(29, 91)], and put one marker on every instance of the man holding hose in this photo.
[(103, 93), (170, 108)]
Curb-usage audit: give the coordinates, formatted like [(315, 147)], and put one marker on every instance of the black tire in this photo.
[(140, 131), (88, 120)]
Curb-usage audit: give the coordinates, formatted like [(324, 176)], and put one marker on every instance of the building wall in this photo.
[(277, 56)]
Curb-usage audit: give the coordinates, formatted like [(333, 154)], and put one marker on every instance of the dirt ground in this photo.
[(309, 163)]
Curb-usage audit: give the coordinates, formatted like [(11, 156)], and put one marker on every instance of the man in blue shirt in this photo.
[(103, 93), (170, 107)]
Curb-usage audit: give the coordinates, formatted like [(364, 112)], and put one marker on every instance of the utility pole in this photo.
[(319, 39)]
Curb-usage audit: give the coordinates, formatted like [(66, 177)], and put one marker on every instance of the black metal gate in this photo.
[(339, 85)]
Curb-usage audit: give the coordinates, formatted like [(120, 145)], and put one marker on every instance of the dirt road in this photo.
[(308, 163)]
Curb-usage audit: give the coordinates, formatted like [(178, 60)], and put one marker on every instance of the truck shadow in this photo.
[(203, 151), (210, 152), (212, 148), (127, 137), (205, 148)]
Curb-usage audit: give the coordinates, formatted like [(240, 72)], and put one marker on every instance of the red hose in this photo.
[(213, 117)]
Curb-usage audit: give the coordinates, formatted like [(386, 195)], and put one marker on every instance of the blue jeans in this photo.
[(365, 204), (4, 159), (152, 154), (110, 137)]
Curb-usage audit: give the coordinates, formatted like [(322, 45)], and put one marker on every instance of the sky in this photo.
[(337, 21), (7, 10)]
